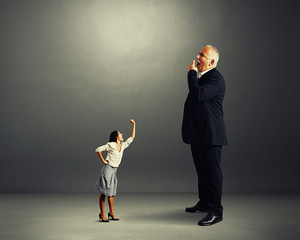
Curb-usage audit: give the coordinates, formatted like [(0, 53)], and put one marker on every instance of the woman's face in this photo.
[(120, 137)]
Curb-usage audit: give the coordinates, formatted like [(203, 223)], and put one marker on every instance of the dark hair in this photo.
[(113, 136)]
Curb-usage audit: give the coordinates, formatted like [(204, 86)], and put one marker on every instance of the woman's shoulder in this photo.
[(112, 144), (127, 142), (130, 139)]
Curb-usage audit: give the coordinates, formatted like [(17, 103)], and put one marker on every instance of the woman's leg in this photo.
[(111, 208), (101, 204), (111, 205)]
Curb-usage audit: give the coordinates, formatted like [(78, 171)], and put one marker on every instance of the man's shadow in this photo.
[(176, 216)]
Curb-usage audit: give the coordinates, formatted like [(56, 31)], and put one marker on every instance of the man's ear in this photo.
[(212, 62)]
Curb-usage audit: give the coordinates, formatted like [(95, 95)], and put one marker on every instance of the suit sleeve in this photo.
[(203, 91)]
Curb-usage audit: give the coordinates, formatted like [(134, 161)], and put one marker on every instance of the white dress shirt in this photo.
[(202, 73), (114, 156)]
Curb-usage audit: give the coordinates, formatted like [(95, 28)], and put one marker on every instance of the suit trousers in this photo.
[(207, 159)]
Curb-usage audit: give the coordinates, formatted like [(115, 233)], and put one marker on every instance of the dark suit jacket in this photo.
[(203, 121)]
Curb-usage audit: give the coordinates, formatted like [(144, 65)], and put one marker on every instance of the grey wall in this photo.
[(73, 71)]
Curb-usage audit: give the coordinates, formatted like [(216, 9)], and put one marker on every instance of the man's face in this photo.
[(204, 62)]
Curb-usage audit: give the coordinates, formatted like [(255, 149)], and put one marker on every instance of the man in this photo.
[(204, 129)]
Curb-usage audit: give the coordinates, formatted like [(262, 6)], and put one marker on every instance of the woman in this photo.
[(107, 181)]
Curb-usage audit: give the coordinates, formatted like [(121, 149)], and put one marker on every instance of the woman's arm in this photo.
[(102, 159), (133, 128)]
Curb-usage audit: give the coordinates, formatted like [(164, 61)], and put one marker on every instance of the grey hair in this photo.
[(214, 53)]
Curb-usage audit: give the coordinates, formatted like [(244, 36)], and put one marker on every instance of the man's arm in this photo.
[(204, 91)]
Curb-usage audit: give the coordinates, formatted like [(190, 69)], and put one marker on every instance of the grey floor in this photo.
[(147, 216)]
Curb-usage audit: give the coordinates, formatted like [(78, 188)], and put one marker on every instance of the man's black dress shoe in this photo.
[(196, 209), (210, 219)]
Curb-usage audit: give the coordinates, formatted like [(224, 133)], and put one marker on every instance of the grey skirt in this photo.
[(107, 181)]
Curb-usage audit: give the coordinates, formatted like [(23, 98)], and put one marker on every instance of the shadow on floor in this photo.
[(168, 217)]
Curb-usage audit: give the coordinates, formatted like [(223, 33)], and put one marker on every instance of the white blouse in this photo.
[(114, 157)]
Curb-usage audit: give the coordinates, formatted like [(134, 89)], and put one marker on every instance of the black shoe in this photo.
[(196, 209), (210, 219), (112, 218), (101, 219)]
